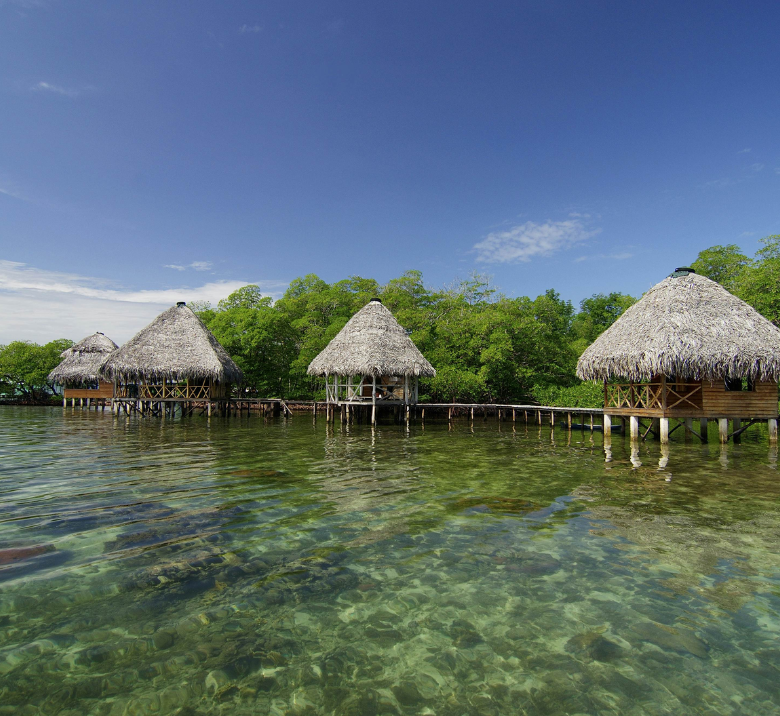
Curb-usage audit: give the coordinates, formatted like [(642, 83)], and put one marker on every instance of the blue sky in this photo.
[(151, 152)]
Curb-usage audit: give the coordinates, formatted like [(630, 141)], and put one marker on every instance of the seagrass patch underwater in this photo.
[(236, 566)]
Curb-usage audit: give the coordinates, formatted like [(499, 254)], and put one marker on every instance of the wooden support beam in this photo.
[(634, 427), (703, 424), (606, 425), (723, 430), (664, 431)]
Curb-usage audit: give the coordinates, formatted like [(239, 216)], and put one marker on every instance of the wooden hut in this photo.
[(371, 361), (688, 349), (175, 359), (79, 371)]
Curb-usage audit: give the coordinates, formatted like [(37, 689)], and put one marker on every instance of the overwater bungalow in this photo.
[(371, 361), (688, 349), (175, 359), (79, 371)]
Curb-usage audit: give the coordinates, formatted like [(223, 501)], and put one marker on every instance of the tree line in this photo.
[(485, 346)]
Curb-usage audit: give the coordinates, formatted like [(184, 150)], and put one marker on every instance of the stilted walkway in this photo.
[(593, 419)]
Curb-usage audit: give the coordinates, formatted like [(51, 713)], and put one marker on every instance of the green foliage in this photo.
[(755, 280), (598, 313), (24, 368), (484, 346), (759, 283), (582, 395), (724, 264)]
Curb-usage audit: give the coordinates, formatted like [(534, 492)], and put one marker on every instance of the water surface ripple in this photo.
[(236, 566)]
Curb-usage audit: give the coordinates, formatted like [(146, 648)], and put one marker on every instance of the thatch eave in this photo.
[(686, 326), (372, 343), (175, 347)]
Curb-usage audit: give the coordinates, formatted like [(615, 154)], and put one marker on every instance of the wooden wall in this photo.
[(758, 403), (105, 390)]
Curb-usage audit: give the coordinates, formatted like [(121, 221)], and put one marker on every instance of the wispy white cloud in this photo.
[(56, 89), (13, 192), (244, 29), (195, 266), (746, 150), (529, 240), (757, 167), (37, 304)]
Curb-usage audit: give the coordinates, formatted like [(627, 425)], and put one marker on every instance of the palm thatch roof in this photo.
[(174, 346), (372, 343), (686, 326), (81, 362)]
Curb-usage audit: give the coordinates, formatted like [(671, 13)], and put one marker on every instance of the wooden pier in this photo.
[(571, 418)]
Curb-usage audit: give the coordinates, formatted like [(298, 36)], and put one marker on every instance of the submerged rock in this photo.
[(674, 638), (594, 646)]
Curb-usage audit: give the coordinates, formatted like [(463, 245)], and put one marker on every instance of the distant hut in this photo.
[(79, 371), (688, 349), (174, 359), (372, 361)]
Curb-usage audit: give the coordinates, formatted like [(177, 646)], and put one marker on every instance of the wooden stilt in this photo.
[(634, 421), (373, 400), (664, 430), (771, 425), (570, 421), (723, 430), (64, 402), (736, 424)]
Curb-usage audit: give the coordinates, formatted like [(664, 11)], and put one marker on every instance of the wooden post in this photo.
[(688, 425), (64, 402), (736, 424), (472, 415), (416, 388), (723, 430), (664, 430), (373, 400), (703, 422), (552, 418), (208, 408), (634, 421), (514, 417), (591, 422), (771, 425), (606, 425), (570, 423), (539, 416)]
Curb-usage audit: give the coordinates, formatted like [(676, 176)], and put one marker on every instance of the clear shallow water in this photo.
[(151, 567)]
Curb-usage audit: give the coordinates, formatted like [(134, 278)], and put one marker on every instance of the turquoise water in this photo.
[(245, 567)]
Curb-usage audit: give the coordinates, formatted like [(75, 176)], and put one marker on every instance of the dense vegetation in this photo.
[(484, 346), (24, 368)]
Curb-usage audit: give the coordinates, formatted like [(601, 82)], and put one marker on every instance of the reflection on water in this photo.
[(236, 566)]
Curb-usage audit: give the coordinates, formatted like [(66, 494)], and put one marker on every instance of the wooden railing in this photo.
[(653, 396), (173, 391)]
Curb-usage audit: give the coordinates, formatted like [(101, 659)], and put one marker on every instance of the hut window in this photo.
[(739, 384)]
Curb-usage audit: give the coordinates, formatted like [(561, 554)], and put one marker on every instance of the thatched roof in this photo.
[(372, 343), (174, 346), (686, 326), (81, 362)]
